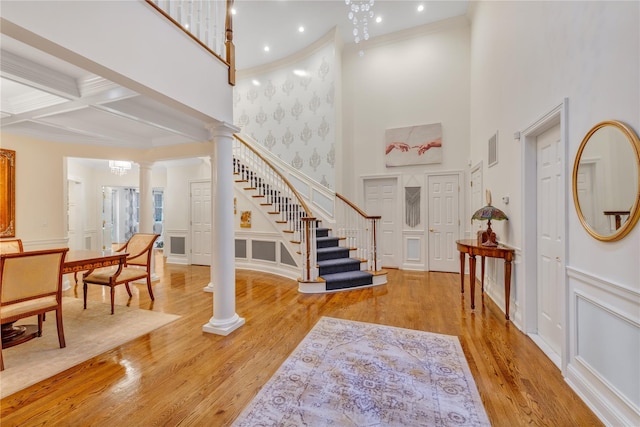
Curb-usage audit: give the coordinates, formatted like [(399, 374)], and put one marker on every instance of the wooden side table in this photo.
[(471, 247)]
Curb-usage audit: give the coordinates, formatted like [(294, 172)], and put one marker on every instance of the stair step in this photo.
[(347, 279), (322, 232), (326, 242), (332, 253), (338, 265)]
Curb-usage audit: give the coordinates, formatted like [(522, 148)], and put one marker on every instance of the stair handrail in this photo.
[(361, 231), (221, 40), (320, 199), (277, 172), (278, 191)]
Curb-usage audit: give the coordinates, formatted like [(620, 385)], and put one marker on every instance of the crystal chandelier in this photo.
[(119, 167), (360, 11)]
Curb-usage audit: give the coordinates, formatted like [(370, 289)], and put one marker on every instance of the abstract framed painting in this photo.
[(413, 145)]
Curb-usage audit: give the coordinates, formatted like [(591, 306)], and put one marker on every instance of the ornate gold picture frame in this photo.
[(7, 193)]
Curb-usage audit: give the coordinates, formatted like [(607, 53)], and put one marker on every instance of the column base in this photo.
[(223, 327), (208, 288)]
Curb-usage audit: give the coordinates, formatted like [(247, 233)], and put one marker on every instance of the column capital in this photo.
[(221, 129), (145, 164)]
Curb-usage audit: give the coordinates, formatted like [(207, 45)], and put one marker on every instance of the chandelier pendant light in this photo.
[(360, 11), (119, 167)]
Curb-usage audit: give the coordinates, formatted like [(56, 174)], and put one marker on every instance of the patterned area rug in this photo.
[(87, 333), (347, 373)]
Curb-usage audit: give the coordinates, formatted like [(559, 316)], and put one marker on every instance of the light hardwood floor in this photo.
[(178, 375)]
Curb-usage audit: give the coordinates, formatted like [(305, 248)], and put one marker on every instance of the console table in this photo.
[(471, 247)]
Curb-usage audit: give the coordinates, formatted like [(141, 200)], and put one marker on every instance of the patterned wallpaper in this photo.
[(293, 115)]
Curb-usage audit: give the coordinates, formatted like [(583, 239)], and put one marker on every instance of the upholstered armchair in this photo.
[(137, 266), (10, 246), (30, 285)]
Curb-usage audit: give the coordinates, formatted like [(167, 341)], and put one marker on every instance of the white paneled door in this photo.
[(74, 215), (444, 223), (201, 242), (550, 241), (381, 199), (477, 199), (107, 218)]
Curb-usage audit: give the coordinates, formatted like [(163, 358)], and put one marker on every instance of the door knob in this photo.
[(431, 230)]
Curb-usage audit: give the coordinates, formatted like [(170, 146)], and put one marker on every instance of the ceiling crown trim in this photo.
[(36, 75)]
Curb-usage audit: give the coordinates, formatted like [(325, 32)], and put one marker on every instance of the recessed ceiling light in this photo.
[(301, 29), (379, 19), (420, 8), (300, 73), (255, 82), (233, 11), (266, 48)]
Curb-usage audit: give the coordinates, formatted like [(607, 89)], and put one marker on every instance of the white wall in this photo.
[(525, 58), (42, 169), (416, 77)]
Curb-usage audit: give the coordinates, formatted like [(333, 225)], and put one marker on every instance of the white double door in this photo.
[(442, 220)]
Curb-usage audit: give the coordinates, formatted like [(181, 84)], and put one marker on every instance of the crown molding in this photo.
[(291, 60), (36, 75), (410, 33)]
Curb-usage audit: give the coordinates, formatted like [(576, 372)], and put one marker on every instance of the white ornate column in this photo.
[(146, 198), (146, 208), (225, 319), (214, 258)]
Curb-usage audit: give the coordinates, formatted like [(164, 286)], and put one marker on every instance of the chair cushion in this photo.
[(102, 276), (34, 305)]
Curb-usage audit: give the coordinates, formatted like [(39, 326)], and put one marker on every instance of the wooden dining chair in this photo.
[(137, 266), (10, 246), (31, 285)]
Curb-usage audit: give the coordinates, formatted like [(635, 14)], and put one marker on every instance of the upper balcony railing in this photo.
[(207, 22)]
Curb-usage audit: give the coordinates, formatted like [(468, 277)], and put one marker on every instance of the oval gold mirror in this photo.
[(606, 181)]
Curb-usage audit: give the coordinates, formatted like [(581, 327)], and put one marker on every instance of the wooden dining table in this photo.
[(76, 261), (82, 260)]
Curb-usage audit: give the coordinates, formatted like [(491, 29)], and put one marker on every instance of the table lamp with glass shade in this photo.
[(487, 213)]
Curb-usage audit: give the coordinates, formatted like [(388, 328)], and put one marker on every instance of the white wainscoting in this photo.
[(265, 261), (604, 347), (414, 256), (91, 240), (180, 253), (36, 245)]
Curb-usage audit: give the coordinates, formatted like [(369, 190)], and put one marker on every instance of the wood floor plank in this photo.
[(178, 374)]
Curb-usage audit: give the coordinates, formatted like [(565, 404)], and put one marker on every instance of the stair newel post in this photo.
[(361, 241), (309, 262), (374, 262)]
